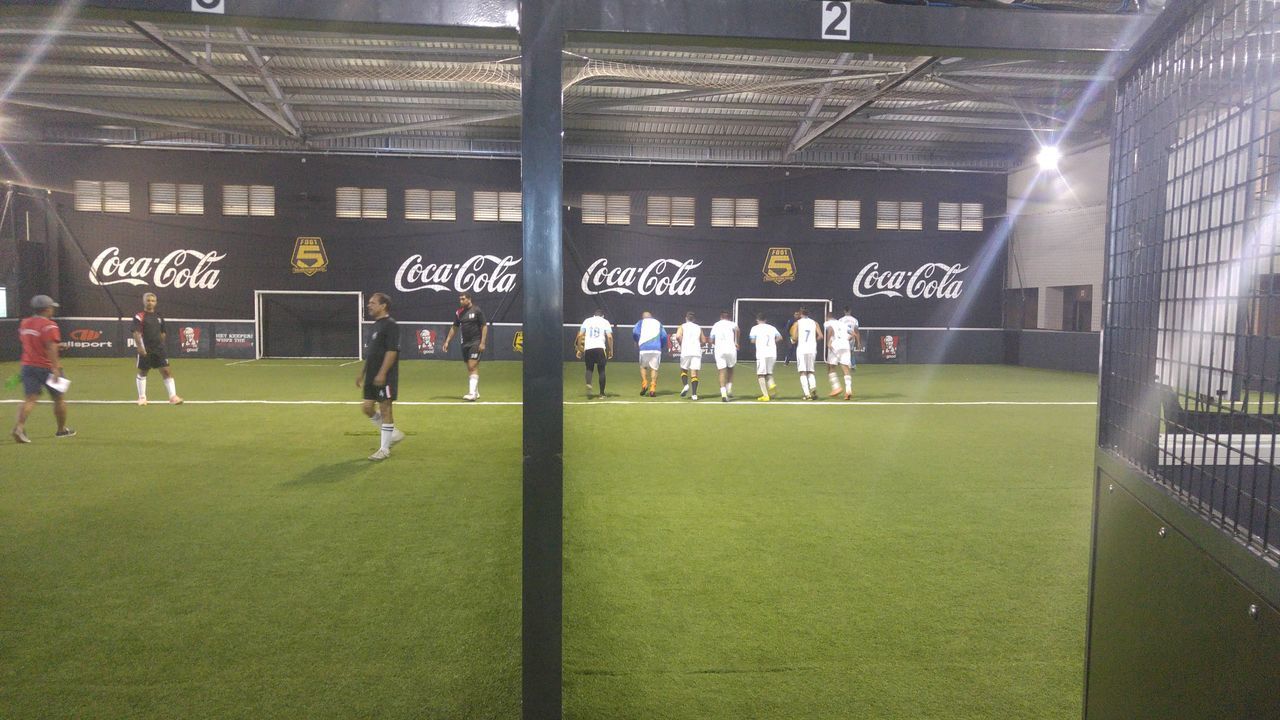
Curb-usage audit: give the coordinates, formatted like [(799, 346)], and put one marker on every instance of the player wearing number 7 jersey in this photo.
[(806, 335)]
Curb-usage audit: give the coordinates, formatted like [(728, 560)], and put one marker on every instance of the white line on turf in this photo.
[(501, 403), (241, 362)]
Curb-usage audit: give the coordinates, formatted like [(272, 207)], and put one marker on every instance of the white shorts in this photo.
[(805, 362), (839, 357), (726, 360), (690, 362), (764, 365), (650, 359)]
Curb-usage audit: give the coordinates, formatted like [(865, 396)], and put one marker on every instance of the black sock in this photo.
[(588, 378), (694, 384), (601, 381), (684, 378)]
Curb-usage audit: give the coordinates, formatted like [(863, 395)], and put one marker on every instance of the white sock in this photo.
[(804, 383), (835, 382), (770, 379), (171, 385), (848, 383), (474, 381), (730, 387), (376, 418), (724, 391), (141, 382), (387, 430), (764, 385)]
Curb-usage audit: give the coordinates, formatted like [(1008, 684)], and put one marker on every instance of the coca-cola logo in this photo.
[(664, 276), (189, 269), (930, 281), (479, 274)]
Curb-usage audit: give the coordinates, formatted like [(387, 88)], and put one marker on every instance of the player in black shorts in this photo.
[(148, 337), (380, 376), (595, 346), (475, 333)]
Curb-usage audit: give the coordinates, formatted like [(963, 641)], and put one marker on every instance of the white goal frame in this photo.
[(809, 303), (257, 321)]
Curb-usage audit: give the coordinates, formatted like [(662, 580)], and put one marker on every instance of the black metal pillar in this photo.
[(541, 42)]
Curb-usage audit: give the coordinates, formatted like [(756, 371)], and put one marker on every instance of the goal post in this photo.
[(294, 324), (777, 311)]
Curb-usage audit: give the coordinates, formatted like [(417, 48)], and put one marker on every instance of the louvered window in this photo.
[(606, 209), (177, 199), (671, 211), (255, 200), (891, 215), (971, 217), (949, 216), (491, 206), (837, 214), (102, 196), (735, 212), (420, 204), (367, 203)]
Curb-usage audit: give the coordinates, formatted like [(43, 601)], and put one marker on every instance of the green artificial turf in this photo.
[(875, 559)]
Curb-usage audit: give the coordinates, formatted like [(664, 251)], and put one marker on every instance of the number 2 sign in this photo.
[(835, 20)]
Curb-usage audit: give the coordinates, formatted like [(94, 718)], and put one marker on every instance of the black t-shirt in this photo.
[(385, 338), (151, 325), (471, 321)]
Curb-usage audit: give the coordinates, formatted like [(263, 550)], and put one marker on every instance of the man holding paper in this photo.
[(41, 367)]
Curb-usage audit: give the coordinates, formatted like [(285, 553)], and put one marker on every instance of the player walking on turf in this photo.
[(40, 336), (475, 333), (380, 377), (149, 335), (805, 335), (791, 346), (724, 347), (690, 338), (650, 338), (766, 337), (850, 324), (839, 353), (595, 343)]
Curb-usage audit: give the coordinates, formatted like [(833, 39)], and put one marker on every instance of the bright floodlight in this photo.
[(1048, 157)]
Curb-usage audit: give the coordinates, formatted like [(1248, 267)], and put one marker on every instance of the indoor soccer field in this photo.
[(919, 552)]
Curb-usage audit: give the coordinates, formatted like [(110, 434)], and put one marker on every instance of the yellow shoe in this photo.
[(773, 391), (763, 398)]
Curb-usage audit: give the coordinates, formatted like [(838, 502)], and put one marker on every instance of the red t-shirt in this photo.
[(35, 332)]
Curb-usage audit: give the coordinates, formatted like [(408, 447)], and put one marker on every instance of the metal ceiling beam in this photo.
[(215, 76), (994, 97), (113, 115), (815, 106), (918, 66), (269, 82)]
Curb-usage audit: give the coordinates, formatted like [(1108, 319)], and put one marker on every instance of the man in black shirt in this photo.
[(148, 338), (380, 377), (475, 333)]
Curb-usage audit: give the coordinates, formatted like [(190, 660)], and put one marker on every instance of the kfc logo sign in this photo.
[(426, 341), (190, 269), (665, 276), (479, 274), (86, 338), (931, 281), (189, 339)]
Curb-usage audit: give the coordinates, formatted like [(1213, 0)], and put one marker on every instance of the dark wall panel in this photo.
[(1053, 350)]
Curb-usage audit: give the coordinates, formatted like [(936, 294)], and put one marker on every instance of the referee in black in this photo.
[(475, 333), (380, 376)]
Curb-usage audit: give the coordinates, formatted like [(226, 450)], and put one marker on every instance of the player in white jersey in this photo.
[(806, 334), (839, 353), (690, 338), (766, 338), (724, 346), (595, 346), (650, 336)]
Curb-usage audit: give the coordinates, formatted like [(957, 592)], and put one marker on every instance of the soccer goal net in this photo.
[(778, 312), (297, 324)]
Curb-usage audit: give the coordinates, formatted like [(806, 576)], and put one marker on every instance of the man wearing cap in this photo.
[(40, 362)]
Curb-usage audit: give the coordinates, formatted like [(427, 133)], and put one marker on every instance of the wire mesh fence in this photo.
[(1191, 357)]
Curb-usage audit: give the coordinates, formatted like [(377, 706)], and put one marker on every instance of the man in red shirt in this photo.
[(40, 362)]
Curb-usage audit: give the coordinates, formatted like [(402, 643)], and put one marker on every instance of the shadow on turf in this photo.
[(331, 473)]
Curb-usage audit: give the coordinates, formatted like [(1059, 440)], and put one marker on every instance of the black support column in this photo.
[(541, 41)]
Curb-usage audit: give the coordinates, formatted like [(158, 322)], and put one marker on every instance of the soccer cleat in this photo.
[(644, 390), (380, 455), (763, 398), (693, 397), (834, 392), (142, 401), (848, 396), (20, 436), (65, 432), (653, 393), (471, 397), (396, 436), (724, 398), (589, 393), (773, 391), (175, 400), (684, 391)]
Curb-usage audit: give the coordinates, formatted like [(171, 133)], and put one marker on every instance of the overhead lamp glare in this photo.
[(1048, 157)]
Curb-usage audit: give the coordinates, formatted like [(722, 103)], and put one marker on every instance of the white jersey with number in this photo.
[(837, 333), (851, 323), (594, 331), (689, 345), (765, 337), (722, 337), (806, 336)]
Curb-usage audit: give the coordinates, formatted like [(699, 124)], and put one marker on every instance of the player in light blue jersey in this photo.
[(650, 338)]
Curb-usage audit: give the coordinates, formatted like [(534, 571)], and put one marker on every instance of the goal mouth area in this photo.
[(308, 325), (777, 311)]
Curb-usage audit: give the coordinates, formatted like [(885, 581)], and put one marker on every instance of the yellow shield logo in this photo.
[(517, 342), (779, 265), (309, 257)]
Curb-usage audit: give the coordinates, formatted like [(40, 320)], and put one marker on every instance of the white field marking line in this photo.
[(241, 362), (353, 362), (708, 401)]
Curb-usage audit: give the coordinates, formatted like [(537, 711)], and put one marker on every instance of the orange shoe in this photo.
[(848, 396), (175, 400), (834, 393)]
